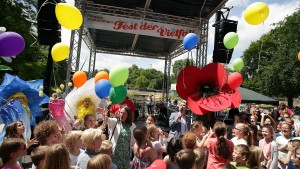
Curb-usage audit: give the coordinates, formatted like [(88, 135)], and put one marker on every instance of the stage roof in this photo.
[(176, 12)]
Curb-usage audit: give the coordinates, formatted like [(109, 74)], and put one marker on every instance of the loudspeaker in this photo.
[(221, 53), (48, 27)]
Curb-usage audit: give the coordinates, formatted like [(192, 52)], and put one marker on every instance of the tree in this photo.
[(178, 66), (33, 58), (277, 72)]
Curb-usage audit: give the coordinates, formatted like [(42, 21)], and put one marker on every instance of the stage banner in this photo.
[(136, 26)]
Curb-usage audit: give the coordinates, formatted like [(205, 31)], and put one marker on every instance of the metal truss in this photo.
[(139, 13), (74, 57), (130, 53), (201, 59), (167, 72), (92, 61)]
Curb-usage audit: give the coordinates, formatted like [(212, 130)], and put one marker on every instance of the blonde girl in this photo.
[(74, 145), (242, 134), (101, 161), (154, 138)]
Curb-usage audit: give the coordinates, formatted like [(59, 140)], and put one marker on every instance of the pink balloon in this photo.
[(235, 80), (11, 43)]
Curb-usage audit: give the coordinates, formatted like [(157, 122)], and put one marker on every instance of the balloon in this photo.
[(118, 94), (58, 90), (256, 13), (41, 94), (60, 51), (230, 40), (7, 59), (299, 56), (70, 84), (101, 75), (79, 78), (2, 29), (238, 64), (11, 43), (235, 80), (102, 88), (190, 41), (68, 16), (118, 75), (62, 86), (158, 164)]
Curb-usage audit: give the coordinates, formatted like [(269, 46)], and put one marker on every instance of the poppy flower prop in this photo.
[(206, 89)]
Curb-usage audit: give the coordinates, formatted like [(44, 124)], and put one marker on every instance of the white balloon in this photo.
[(7, 59), (13, 56), (2, 29), (77, 95)]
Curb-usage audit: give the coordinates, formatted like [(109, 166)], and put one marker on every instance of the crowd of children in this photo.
[(270, 143)]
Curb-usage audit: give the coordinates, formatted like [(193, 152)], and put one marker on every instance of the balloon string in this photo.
[(262, 42), (183, 71), (67, 112)]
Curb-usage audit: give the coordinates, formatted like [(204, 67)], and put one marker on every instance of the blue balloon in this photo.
[(102, 88), (190, 41)]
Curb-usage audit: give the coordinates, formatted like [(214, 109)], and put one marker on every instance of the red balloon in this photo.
[(235, 80)]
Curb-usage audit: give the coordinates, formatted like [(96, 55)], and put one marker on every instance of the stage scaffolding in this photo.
[(86, 35)]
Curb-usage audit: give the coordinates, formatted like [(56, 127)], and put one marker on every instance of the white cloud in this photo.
[(237, 3), (247, 33)]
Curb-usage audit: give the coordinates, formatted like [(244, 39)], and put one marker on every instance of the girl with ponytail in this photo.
[(220, 149)]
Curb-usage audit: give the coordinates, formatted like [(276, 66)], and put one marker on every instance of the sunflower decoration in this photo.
[(206, 90)]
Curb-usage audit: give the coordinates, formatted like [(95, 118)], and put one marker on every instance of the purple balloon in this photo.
[(11, 43)]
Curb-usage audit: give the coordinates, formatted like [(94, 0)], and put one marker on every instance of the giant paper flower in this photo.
[(206, 89)]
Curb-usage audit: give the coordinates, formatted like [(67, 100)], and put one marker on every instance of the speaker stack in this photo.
[(221, 54), (49, 30)]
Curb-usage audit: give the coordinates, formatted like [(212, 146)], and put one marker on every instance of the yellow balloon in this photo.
[(68, 16), (256, 13), (70, 84), (58, 90), (60, 51), (62, 86), (41, 93)]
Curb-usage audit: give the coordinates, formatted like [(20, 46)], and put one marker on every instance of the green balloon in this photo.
[(117, 94), (118, 75), (231, 39), (238, 64)]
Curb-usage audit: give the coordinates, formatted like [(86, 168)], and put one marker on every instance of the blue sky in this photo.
[(247, 33)]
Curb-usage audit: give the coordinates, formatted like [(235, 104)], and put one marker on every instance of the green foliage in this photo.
[(33, 58), (277, 72), (141, 79)]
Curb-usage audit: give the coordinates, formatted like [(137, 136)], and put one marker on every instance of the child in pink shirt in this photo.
[(10, 151), (220, 149)]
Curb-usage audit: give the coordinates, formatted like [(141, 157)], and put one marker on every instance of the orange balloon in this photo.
[(101, 75), (299, 56), (79, 78)]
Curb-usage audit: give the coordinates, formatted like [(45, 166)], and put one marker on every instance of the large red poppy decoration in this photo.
[(206, 89)]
